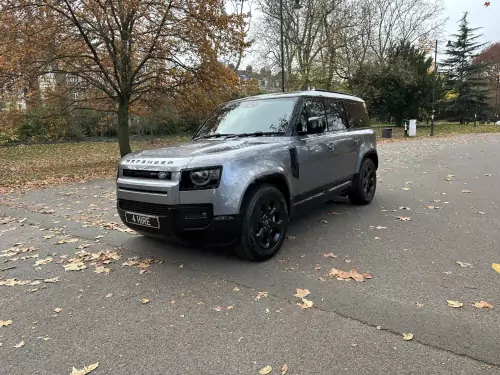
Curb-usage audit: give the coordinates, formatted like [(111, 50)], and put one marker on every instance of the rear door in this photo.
[(343, 145)]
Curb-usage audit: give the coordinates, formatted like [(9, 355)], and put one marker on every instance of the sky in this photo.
[(479, 16)]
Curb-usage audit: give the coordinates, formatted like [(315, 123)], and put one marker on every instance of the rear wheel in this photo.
[(364, 184), (264, 225)]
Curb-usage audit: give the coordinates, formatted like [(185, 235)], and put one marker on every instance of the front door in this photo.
[(313, 154)]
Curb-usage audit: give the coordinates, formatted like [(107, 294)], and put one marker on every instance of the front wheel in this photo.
[(264, 225), (364, 184)]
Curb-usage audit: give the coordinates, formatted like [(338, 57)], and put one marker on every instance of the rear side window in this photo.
[(357, 114), (335, 115)]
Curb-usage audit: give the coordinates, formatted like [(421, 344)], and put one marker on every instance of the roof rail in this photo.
[(331, 92)]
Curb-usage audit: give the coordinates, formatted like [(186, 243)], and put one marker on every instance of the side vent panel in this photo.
[(294, 162)]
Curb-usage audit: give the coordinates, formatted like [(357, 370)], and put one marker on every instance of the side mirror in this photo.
[(315, 124)]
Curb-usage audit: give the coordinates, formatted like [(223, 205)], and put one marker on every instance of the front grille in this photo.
[(144, 207), (146, 174)]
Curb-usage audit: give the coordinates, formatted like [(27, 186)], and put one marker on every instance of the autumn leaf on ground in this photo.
[(20, 345), (483, 305), (58, 310), (306, 304), (301, 293), (236, 289), (291, 237), (144, 301), (5, 323), (260, 295), (496, 267), (75, 266), (419, 304), (407, 336), (109, 295), (329, 255), (380, 227), (52, 280), (405, 188), (102, 269), (71, 240), (353, 274), (218, 308), (464, 265), (466, 191), (86, 370), (433, 207), (266, 370), (403, 218), (44, 261), (455, 304), (284, 369)]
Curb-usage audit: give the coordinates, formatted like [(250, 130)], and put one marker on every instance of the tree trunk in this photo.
[(123, 135)]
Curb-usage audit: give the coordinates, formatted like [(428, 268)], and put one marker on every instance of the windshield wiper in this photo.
[(255, 134), (216, 135)]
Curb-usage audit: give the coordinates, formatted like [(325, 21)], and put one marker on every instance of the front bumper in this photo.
[(189, 224)]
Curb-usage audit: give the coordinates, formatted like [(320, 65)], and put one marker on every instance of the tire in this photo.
[(364, 184), (264, 224)]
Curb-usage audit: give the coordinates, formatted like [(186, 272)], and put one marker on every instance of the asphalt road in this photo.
[(211, 313)]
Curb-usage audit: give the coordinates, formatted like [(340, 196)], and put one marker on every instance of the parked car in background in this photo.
[(248, 168)]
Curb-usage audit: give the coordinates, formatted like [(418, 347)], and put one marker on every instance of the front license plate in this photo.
[(142, 220)]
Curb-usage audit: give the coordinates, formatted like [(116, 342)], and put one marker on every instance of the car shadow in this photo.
[(303, 219)]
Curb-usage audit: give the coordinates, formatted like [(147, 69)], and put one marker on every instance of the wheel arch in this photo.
[(372, 155), (275, 179)]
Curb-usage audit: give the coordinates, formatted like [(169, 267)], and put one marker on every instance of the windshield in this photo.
[(265, 115)]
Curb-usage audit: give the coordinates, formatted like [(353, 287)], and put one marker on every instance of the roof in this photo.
[(318, 93)]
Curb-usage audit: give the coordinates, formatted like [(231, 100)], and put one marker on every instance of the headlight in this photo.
[(202, 178)]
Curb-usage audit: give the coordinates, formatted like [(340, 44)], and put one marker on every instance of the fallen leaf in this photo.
[(236, 289), (377, 238), (301, 293), (306, 304), (58, 310), (353, 274), (318, 267), (102, 269), (329, 255), (284, 369), (144, 301), (52, 280), (483, 305), (230, 307), (405, 188), (291, 237), (407, 336), (455, 304), (266, 370), (75, 266), (44, 261), (71, 240), (5, 323), (464, 265), (109, 295), (433, 207), (323, 221), (20, 345), (86, 370), (380, 227), (260, 295), (403, 218), (419, 304), (496, 267), (218, 308), (466, 191)]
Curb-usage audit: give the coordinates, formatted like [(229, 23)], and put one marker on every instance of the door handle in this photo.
[(331, 146)]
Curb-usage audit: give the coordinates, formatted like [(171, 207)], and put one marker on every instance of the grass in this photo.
[(440, 129), (32, 166), (26, 167)]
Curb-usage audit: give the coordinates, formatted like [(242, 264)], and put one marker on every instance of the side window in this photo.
[(312, 108), (335, 115), (357, 115)]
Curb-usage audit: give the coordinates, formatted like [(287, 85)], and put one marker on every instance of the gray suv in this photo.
[(248, 168)]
